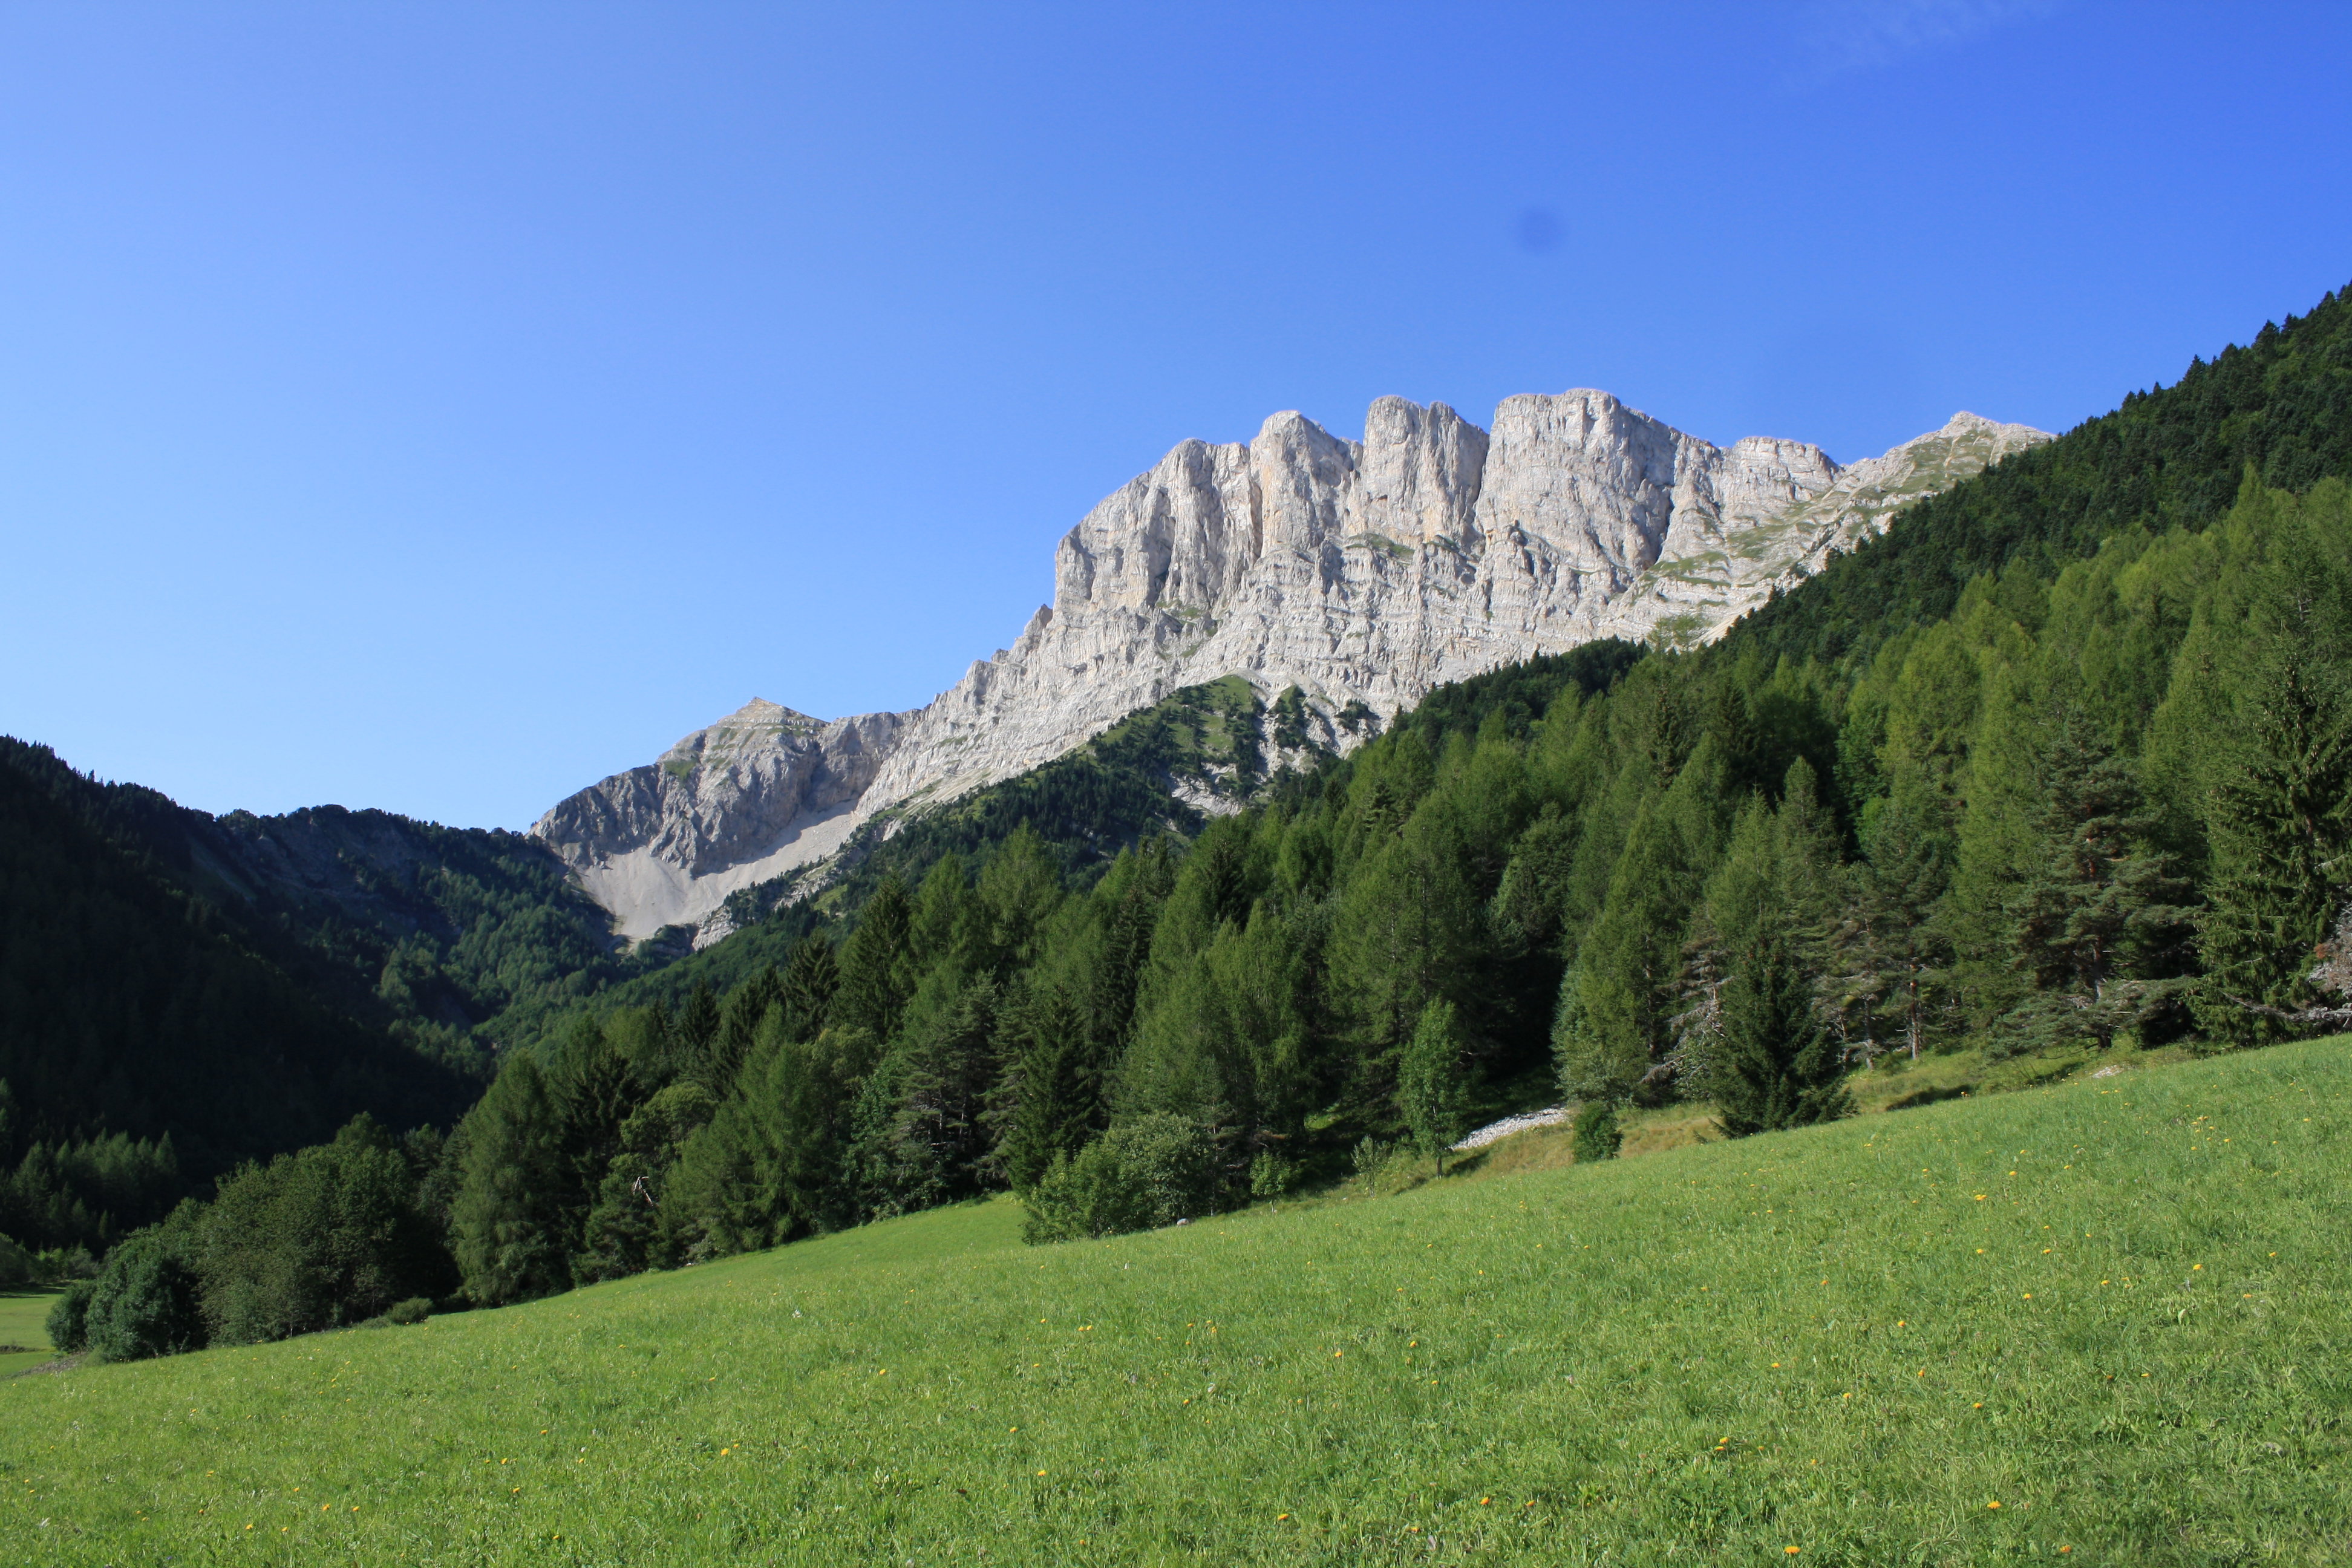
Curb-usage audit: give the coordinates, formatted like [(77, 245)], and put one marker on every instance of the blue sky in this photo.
[(440, 407)]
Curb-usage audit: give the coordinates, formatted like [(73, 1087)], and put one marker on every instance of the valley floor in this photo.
[(2105, 1322)]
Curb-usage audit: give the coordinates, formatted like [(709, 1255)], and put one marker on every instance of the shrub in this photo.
[(145, 1300), (324, 1236), (1152, 1171), (1598, 1136), (17, 1267), (69, 1322), (415, 1310)]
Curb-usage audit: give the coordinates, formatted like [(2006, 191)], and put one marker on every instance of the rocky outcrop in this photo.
[(1359, 571), (756, 795)]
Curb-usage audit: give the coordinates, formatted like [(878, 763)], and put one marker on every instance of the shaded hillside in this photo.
[(243, 986), (2280, 405)]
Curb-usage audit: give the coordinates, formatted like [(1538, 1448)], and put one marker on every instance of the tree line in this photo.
[(2073, 782)]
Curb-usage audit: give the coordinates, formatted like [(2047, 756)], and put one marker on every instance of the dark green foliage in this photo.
[(1431, 1095), (68, 1320), (811, 978), (409, 1312), (325, 1237), (877, 963), (1149, 1171), (509, 1220), (88, 1193), (148, 1301), (2094, 923), (2279, 818), (17, 1267), (1597, 1135), (1777, 1065), (2172, 457), (131, 1003)]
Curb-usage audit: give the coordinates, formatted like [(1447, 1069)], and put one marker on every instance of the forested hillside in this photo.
[(2076, 777), (2065, 766), (179, 993)]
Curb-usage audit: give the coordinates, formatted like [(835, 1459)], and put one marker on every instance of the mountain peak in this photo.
[(1361, 574)]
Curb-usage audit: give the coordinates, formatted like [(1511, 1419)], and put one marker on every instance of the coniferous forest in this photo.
[(2064, 762)]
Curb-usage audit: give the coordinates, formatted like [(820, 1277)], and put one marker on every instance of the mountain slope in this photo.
[(1853, 1340), (1359, 576), (245, 984), (2279, 406)]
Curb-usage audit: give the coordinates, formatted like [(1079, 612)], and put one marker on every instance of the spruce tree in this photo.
[(812, 976), (2093, 922), (1776, 1065), (877, 966), (508, 1218), (1057, 1083), (697, 1026), (747, 1007), (1890, 956), (1431, 1094), (2278, 818)]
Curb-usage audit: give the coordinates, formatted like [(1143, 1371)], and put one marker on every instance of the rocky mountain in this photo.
[(760, 791), (1363, 574)]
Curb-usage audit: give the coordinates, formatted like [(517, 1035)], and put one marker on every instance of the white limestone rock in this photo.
[(1361, 572), (756, 795)]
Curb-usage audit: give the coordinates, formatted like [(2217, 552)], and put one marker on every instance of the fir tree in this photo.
[(1777, 1065), (2094, 921), (2278, 818), (812, 976), (876, 965), (1431, 1095)]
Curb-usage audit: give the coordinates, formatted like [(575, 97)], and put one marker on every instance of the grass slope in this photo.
[(24, 1328), (2116, 1309)]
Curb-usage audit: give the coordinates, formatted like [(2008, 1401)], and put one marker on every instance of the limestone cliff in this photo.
[(1359, 571), (760, 791)]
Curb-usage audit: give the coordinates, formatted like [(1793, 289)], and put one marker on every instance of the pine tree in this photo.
[(1777, 1065)]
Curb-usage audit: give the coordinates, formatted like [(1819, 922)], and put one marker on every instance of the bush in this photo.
[(145, 1300), (324, 1236), (69, 1322), (1152, 1171), (1598, 1136), (415, 1310)]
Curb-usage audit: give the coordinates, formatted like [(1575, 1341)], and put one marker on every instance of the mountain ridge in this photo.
[(1361, 574)]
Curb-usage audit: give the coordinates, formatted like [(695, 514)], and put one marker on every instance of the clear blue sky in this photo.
[(440, 407)]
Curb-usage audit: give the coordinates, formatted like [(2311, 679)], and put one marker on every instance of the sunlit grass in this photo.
[(2116, 1308), (24, 1325)]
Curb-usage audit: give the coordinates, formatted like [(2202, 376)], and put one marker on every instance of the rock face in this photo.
[(1361, 572), (761, 792)]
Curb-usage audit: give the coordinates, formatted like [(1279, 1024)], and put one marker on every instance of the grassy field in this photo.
[(2103, 1322), (24, 1330)]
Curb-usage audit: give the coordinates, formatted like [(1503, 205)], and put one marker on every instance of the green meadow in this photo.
[(24, 1331), (2103, 1322)]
